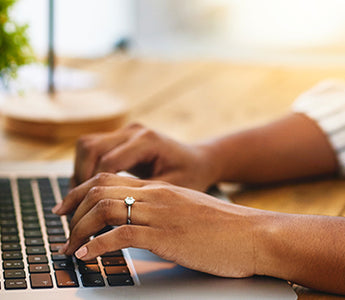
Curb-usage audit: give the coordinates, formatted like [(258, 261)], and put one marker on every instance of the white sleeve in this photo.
[(325, 104)]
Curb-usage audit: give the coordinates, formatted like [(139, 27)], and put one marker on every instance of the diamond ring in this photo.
[(129, 201)]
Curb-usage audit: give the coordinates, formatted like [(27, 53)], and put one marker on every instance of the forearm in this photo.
[(307, 250), (293, 147)]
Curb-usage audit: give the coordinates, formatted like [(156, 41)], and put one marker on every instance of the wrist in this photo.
[(268, 236), (224, 158), (212, 162), (251, 227)]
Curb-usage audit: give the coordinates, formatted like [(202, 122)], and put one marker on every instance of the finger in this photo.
[(76, 195), (98, 193), (126, 156), (85, 157), (121, 237), (106, 212), (90, 148)]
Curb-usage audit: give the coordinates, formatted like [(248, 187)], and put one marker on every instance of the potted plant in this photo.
[(15, 50)]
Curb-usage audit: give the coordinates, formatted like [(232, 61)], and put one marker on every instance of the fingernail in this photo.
[(81, 252), (64, 248), (56, 208)]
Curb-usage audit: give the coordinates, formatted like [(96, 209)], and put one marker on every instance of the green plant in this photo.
[(15, 50)]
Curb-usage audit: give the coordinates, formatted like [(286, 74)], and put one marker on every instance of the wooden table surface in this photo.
[(194, 100)]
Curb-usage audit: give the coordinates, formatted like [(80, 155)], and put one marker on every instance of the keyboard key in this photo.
[(113, 261), (57, 239), (30, 219), (12, 255), (26, 196), (8, 200), (29, 212), (31, 226), (9, 231), (88, 269), (51, 217), (57, 257), (37, 259), (34, 250), (87, 262), (113, 253), (32, 234), (8, 222), (41, 280), (47, 207), (92, 280), (113, 270), (66, 278), (7, 216), (13, 264), (55, 231), (55, 247), (9, 239), (10, 247), (34, 242), (53, 223), (63, 265), (15, 284), (14, 274), (28, 205), (64, 185), (7, 209), (119, 280), (48, 200), (39, 268)]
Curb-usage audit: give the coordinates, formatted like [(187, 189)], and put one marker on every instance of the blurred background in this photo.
[(177, 63), (272, 31)]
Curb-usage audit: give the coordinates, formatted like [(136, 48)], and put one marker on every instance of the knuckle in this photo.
[(162, 191), (95, 192), (134, 126), (85, 143), (102, 178), (148, 134)]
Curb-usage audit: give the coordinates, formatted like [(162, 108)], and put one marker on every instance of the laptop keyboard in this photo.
[(31, 236)]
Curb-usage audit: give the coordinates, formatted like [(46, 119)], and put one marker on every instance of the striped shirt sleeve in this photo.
[(325, 104)]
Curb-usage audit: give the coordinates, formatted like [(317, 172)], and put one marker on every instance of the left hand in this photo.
[(190, 228)]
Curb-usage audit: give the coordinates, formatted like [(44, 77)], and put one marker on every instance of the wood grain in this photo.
[(63, 115)]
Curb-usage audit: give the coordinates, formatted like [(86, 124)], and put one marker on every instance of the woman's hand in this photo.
[(190, 228), (145, 154)]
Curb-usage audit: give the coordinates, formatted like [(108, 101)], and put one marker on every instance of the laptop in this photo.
[(32, 268)]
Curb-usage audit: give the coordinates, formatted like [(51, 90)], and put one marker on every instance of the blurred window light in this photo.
[(261, 23), (288, 23), (90, 28), (83, 27)]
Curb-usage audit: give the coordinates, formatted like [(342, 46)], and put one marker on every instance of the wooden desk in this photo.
[(195, 100)]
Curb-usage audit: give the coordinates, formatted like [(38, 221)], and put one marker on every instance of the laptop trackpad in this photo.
[(175, 282)]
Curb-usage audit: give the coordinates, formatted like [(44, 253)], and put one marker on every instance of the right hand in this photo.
[(181, 225), (145, 154)]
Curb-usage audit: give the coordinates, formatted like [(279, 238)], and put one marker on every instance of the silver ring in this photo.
[(129, 201)]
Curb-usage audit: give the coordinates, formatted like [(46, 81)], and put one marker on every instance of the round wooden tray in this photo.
[(65, 115)]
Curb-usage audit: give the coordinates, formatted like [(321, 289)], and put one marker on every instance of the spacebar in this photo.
[(66, 278)]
